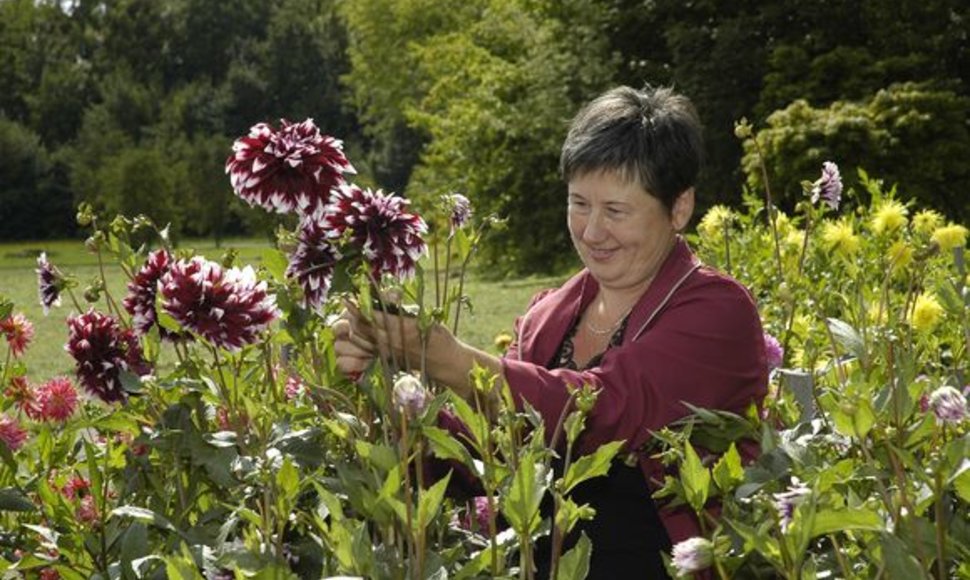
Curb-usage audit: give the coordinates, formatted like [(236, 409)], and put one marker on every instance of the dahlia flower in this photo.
[(76, 488), (692, 555), (927, 220), (840, 238), (49, 281), (460, 208), (229, 308), (828, 187), (140, 301), (949, 237), (19, 332), (787, 501), (312, 263), (926, 313), (101, 350), (11, 433), (294, 167), (87, 511), (949, 405), (410, 396), (713, 223), (774, 353), (294, 388), (889, 217), (388, 236), (57, 399), (23, 397), (477, 517)]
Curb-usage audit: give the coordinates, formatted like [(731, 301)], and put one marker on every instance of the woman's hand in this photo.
[(354, 351)]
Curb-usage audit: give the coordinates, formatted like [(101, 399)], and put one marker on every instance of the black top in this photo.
[(627, 534)]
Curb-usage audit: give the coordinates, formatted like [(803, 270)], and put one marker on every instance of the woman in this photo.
[(644, 322)]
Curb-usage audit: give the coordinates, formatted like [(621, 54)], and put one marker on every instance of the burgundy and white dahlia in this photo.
[(229, 308), (292, 168), (949, 405), (388, 236), (312, 263), (460, 208), (140, 301), (49, 281), (828, 187), (101, 350)]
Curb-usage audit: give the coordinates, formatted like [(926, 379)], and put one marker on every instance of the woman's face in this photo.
[(622, 233)]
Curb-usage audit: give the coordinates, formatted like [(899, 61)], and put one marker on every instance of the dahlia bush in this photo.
[(206, 432)]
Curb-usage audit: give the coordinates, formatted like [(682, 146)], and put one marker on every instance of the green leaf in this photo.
[(14, 500), (134, 545), (590, 466), (140, 514), (961, 480), (166, 321), (288, 479), (275, 263), (696, 479), (380, 456), (444, 445), (728, 470), (521, 504), (847, 337), (574, 564), (429, 502), (898, 558), (828, 521)]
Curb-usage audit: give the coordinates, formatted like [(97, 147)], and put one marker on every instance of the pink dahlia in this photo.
[(101, 350), (49, 282), (11, 433), (19, 332), (294, 167), (312, 263), (774, 353), (23, 397), (229, 308), (140, 301), (57, 399), (388, 236), (477, 517), (294, 388)]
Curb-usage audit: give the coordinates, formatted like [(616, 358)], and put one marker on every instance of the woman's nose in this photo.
[(595, 229)]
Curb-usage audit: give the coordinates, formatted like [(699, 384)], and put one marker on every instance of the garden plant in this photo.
[(249, 455)]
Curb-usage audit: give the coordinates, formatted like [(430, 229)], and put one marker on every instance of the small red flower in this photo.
[(19, 332), (312, 263), (388, 236), (11, 433), (294, 167), (87, 511), (23, 397), (228, 308), (101, 350), (294, 388), (50, 574), (76, 487), (57, 399)]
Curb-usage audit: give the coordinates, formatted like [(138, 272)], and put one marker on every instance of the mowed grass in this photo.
[(495, 303)]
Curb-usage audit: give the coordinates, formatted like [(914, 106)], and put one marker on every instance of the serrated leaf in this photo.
[(445, 446), (728, 470), (827, 521), (521, 504), (275, 263), (288, 479), (574, 564), (847, 337), (696, 479), (429, 502), (590, 466)]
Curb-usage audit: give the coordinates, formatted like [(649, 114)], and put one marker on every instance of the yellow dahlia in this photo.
[(949, 237), (840, 238), (889, 217), (927, 312)]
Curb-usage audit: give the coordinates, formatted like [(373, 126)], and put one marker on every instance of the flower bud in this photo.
[(949, 405), (410, 396), (693, 555)]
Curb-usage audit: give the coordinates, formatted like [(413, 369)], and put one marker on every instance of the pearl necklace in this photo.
[(611, 329)]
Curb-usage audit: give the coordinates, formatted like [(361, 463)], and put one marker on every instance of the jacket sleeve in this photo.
[(705, 348), (513, 349)]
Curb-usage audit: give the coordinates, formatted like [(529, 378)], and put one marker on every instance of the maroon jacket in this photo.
[(694, 336)]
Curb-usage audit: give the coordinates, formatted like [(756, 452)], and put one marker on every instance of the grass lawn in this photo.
[(495, 303)]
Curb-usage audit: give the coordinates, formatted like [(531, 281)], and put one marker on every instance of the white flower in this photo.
[(693, 555)]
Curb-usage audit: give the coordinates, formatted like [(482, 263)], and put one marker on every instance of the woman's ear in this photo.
[(683, 209)]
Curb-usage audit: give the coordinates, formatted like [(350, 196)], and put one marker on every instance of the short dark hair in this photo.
[(653, 136)]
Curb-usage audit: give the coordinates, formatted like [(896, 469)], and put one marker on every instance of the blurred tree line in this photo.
[(133, 104)]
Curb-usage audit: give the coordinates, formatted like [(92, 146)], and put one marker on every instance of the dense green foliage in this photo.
[(473, 95)]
